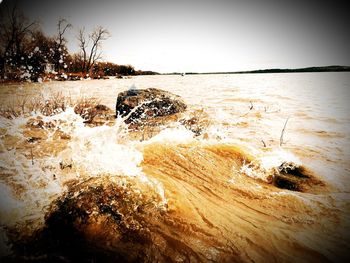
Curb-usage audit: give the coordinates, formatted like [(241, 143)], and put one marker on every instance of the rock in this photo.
[(140, 105), (294, 178), (104, 219), (93, 113)]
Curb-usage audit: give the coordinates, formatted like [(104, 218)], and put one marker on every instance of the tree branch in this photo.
[(283, 130)]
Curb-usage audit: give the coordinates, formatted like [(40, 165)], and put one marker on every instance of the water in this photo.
[(202, 198)]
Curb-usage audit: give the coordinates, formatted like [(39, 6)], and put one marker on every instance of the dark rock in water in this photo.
[(139, 105), (294, 178), (286, 182)]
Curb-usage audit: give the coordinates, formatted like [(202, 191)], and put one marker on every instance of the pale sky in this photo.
[(207, 35)]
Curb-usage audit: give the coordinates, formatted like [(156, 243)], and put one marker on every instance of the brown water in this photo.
[(183, 197)]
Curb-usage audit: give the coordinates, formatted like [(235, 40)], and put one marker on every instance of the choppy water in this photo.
[(203, 198)]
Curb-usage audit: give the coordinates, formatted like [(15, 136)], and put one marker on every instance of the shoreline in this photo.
[(274, 70)]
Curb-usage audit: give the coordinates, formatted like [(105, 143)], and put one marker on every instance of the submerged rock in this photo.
[(143, 104), (295, 178)]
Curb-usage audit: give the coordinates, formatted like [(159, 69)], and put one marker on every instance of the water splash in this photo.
[(265, 166)]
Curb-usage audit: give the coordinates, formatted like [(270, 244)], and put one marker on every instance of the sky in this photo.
[(206, 35)]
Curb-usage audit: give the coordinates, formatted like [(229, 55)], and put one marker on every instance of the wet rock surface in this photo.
[(138, 105), (100, 220)]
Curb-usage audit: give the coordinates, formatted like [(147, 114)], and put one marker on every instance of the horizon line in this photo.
[(328, 68)]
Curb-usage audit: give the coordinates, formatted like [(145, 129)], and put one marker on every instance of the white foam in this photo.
[(38, 185), (97, 149), (277, 157), (13, 126), (100, 149), (268, 163), (10, 207)]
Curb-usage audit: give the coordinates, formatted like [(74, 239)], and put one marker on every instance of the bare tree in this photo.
[(14, 28), (62, 26), (83, 44), (98, 35), (91, 47)]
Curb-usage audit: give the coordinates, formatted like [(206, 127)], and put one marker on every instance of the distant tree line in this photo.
[(26, 53)]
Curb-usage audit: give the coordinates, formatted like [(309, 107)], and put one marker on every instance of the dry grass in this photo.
[(90, 109), (87, 108), (55, 104), (197, 121)]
